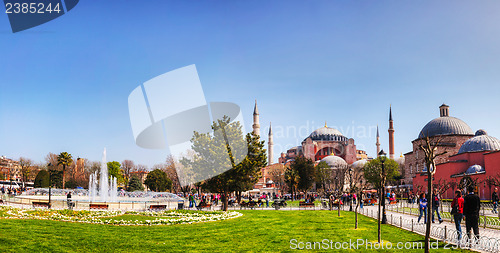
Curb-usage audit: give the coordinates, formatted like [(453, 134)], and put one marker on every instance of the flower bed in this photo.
[(117, 217)]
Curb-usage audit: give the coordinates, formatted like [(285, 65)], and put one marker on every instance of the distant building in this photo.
[(10, 169)]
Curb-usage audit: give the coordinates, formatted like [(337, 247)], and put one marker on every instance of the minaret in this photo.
[(391, 135), (270, 144), (378, 142), (256, 125)]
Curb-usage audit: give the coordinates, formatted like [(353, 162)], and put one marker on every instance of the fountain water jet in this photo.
[(107, 187)]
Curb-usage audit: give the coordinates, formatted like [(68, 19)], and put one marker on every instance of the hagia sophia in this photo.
[(324, 144), (472, 156)]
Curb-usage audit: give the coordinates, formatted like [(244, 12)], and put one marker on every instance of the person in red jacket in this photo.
[(458, 205)]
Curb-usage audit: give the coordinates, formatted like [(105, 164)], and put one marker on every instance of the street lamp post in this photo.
[(50, 185), (383, 158)]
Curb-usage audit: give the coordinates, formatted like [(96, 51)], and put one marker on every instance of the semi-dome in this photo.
[(480, 142), (445, 125), (334, 161), (327, 134), (359, 163), (474, 169)]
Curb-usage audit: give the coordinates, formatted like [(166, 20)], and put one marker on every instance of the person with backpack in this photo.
[(457, 210), (422, 207), (435, 206)]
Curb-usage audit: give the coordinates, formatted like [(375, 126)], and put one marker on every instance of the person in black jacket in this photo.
[(494, 199), (472, 205)]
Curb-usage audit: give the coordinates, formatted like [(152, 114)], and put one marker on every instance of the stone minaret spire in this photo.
[(378, 142), (270, 144), (391, 135), (256, 125)]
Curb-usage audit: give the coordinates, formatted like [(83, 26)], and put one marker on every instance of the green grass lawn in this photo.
[(255, 231)]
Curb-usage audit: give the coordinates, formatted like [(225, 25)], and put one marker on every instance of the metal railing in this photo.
[(444, 234)]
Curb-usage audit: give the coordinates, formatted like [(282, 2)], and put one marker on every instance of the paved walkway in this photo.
[(491, 233)]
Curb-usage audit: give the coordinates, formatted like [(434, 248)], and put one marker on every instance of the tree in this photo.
[(127, 167), (305, 172), (357, 185), (292, 180), (25, 165), (215, 157), (323, 175), (277, 174), (170, 168), (249, 170), (135, 184), (65, 159), (378, 175), (115, 170), (430, 148), (42, 179), (158, 181)]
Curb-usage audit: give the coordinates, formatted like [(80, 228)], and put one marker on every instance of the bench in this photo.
[(250, 204), (98, 206), (157, 207), (199, 207), (304, 204), (40, 204)]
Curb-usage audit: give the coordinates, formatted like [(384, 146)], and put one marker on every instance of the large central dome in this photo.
[(327, 134), (445, 125)]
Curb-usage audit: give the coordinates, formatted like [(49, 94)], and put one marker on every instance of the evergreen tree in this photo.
[(134, 184), (304, 173), (218, 155), (42, 179)]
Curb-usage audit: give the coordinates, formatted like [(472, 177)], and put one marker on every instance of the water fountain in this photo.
[(107, 187), (101, 189)]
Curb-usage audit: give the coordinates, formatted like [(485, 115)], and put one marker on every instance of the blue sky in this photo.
[(64, 85)]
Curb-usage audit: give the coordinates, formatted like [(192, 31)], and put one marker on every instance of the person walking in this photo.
[(494, 199), (472, 205), (457, 210), (435, 206), (422, 207)]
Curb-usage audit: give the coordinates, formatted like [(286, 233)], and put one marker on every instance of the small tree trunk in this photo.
[(225, 201), (429, 209), (64, 176), (356, 216)]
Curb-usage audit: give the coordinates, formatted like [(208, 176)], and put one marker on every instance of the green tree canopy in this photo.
[(114, 169), (134, 184), (158, 181), (42, 179), (304, 168), (217, 158), (373, 171)]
